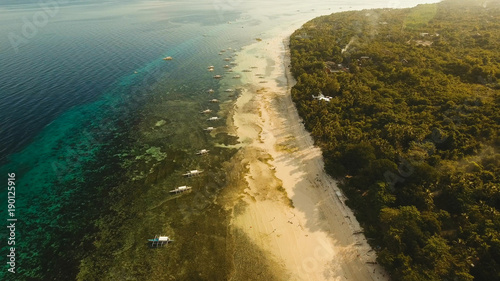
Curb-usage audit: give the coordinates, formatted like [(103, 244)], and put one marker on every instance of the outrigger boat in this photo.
[(214, 100), (202, 152), (209, 129), (181, 189), (217, 76), (167, 58), (192, 173), (159, 241), (213, 118), (206, 111)]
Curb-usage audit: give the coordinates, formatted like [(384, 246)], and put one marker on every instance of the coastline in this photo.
[(289, 207)]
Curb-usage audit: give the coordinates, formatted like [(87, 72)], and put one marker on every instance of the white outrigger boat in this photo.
[(229, 90), (160, 241), (217, 76), (181, 189), (192, 173), (213, 118), (209, 129), (202, 152), (214, 100), (206, 111)]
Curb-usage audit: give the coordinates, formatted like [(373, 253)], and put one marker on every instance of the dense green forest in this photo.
[(411, 130)]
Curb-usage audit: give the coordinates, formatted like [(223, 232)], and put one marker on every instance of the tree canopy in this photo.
[(411, 130)]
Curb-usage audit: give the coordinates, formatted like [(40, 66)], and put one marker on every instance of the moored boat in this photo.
[(202, 152), (181, 189), (192, 173), (160, 240)]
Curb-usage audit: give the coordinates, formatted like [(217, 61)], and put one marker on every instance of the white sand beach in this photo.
[(318, 238)]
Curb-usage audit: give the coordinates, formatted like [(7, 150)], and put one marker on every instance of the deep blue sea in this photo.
[(77, 81), (86, 50)]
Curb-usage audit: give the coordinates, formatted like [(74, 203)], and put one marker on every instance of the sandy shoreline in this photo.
[(316, 238)]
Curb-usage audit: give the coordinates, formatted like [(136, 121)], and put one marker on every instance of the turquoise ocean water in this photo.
[(94, 123)]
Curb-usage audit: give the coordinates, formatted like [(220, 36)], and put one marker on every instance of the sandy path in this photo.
[(317, 238)]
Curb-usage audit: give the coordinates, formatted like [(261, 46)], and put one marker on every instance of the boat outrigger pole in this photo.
[(159, 241)]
